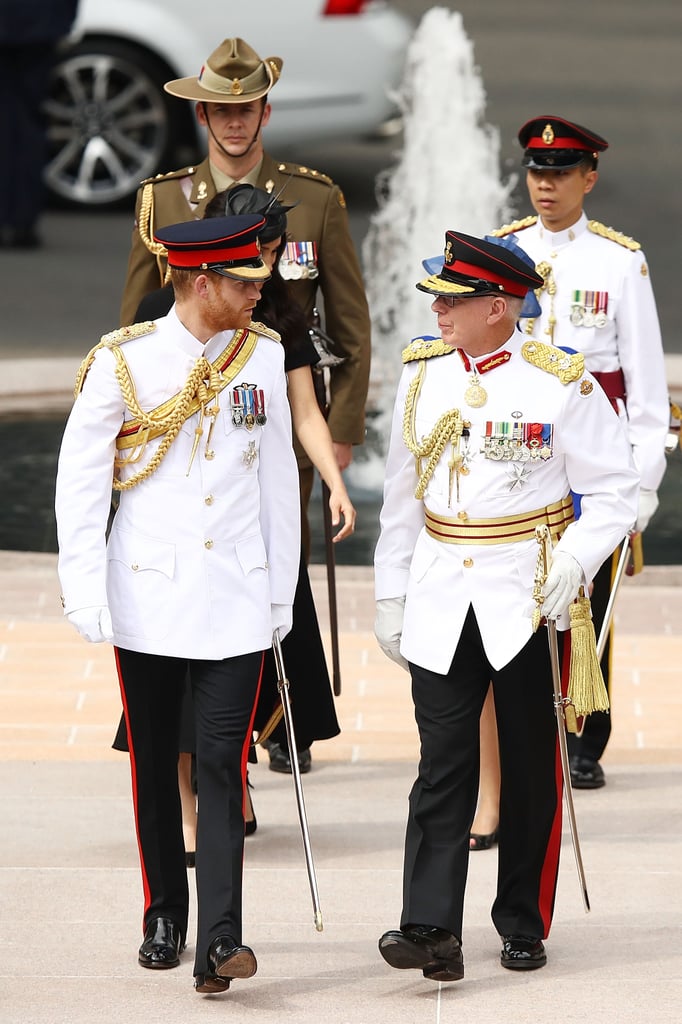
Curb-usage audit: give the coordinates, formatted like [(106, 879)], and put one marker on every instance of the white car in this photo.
[(111, 124)]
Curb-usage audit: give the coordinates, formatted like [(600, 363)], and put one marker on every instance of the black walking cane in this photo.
[(323, 344), (283, 689)]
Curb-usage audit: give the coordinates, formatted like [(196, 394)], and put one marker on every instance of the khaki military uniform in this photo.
[(320, 217)]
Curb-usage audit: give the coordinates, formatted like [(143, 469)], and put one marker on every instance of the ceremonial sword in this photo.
[(544, 539), (283, 689), (608, 614)]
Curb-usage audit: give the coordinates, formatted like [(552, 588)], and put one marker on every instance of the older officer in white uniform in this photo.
[(189, 417), (490, 433), (596, 298)]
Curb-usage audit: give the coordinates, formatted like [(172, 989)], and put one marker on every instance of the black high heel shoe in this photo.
[(250, 823), (479, 841)]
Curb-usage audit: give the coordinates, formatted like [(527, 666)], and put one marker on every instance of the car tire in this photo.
[(109, 123)]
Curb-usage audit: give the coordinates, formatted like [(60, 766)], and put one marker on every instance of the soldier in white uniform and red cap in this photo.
[(187, 416), (597, 299), (491, 433)]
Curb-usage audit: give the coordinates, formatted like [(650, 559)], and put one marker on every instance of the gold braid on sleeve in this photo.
[(448, 427), (171, 423)]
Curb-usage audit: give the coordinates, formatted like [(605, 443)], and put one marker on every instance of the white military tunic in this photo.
[(589, 454), (629, 338), (194, 559)]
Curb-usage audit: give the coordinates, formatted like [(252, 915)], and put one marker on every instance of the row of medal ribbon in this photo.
[(518, 442), (589, 309), (299, 261), (247, 404)]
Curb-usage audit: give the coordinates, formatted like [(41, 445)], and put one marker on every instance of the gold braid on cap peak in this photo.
[(553, 360)]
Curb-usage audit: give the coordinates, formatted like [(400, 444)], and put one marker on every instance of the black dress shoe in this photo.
[(281, 762), (433, 951), (586, 773), (521, 953), (226, 960), (163, 943)]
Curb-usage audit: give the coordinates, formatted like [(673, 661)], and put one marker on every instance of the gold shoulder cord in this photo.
[(144, 229), (170, 424), (447, 428), (545, 272)]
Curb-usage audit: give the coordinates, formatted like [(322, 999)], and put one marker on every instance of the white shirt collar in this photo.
[(554, 239)]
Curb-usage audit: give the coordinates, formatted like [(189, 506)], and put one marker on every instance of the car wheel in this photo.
[(109, 123)]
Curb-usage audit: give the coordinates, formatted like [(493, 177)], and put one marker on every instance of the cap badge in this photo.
[(448, 252), (548, 135), (236, 88)]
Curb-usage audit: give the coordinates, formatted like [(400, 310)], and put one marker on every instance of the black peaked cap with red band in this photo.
[(475, 267), (553, 143), (227, 245)]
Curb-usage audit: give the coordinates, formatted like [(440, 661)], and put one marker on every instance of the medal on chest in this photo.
[(247, 404), (475, 394)]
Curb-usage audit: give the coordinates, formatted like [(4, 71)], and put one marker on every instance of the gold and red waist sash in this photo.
[(502, 530), (134, 432)]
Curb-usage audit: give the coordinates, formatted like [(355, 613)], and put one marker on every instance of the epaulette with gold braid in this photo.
[(613, 235), (299, 171), (516, 225), (260, 328), (425, 348), (109, 341), (553, 360), (124, 334), (169, 175)]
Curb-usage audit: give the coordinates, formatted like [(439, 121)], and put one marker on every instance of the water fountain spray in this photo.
[(447, 176)]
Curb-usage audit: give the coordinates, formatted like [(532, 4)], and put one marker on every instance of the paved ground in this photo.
[(70, 894)]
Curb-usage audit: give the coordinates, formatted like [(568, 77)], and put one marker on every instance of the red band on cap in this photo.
[(558, 142), (470, 270), (195, 257)]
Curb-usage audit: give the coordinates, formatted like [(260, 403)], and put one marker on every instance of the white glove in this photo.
[(562, 586), (648, 503), (388, 628), (93, 624), (282, 616)]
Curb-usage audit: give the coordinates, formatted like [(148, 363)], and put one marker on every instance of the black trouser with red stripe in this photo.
[(443, 798), (224, 694)]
